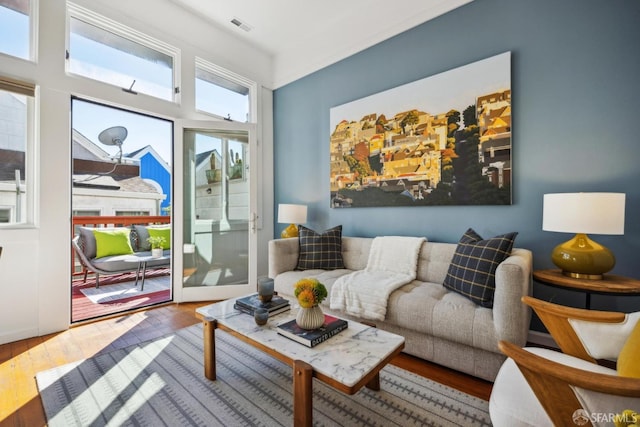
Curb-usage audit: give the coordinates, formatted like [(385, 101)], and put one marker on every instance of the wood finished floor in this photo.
[(20, 403)]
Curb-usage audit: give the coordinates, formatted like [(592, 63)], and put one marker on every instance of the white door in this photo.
[(214, 210)]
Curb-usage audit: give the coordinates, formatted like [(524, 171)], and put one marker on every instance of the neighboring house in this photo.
[(12, 157), (155, 170), (100, 187), (103, 187)]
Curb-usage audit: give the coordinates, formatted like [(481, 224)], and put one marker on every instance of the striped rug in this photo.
[(162, 383)]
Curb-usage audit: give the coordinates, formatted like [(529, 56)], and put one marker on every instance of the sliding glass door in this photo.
[(217, 201)]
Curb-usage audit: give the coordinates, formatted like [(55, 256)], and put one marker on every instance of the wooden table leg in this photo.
[(374, 384), (302, 394), (210, 349)]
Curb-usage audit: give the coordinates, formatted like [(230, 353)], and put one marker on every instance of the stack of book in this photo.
[(311, 338), (251, 302)]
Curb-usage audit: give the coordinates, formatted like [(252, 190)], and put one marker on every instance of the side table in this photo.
[(611, 284)]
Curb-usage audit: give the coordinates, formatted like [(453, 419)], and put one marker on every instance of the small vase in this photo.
[(310, 318), (156, 252)]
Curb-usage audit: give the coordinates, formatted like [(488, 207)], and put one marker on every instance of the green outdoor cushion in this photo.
[(472, 271), (161, 232), (320, 250), (112, 241)]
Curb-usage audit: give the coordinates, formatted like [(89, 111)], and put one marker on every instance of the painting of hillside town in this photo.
[(442, 140)]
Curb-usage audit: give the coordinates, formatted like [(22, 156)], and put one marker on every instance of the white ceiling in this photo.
[(303, 36)]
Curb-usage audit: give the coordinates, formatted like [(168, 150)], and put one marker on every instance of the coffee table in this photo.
[(142, 266), (347, 361)]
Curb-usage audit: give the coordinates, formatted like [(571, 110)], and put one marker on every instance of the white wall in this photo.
[(35, 264)]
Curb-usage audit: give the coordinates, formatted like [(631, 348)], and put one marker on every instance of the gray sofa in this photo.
[(84, 244), (439, 325)]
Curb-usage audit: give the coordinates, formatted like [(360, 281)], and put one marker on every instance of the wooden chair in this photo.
[(564, 383)]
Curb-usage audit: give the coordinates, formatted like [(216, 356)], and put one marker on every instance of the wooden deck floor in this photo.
[(82, 308)]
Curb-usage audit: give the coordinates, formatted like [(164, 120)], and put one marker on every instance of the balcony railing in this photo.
[(108, 222)]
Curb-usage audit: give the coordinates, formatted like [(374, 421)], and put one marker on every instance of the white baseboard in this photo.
[(541, 338)]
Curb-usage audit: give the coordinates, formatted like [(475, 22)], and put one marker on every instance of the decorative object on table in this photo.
[(583, 213), (261, 315), (292, 214), (310, 293), (265, 289), (250, 303), (157, 243), (329, 327), (406, 146)]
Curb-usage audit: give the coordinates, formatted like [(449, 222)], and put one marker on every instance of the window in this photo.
[(107, 51), (16, 23), (5, 214), (16, 152), (133, 213), (86, 212), (223, 93)]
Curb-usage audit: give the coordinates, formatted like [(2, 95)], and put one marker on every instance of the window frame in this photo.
[(118, 29), (221, 72), (34, 7), (31, 155)]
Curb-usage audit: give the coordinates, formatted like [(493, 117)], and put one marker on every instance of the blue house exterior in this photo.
[(154, 168)]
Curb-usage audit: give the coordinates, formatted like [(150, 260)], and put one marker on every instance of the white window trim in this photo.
[(115, 27), (235, 78), (34, 7)]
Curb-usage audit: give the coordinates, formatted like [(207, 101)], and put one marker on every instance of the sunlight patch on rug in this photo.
[(110, 293)]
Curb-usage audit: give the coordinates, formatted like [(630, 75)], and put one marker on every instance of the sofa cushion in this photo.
[(128, 263), (141, 234), (112, 241), (164, 232), (87, 241), (320, 250), (473, 267)]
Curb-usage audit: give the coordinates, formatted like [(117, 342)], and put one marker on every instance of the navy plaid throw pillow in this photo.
[(472, 271), (320, 250)]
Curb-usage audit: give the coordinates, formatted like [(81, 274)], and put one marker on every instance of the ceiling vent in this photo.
[(240, 24)]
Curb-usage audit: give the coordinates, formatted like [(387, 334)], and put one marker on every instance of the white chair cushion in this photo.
[(512, 401), (591, 333)]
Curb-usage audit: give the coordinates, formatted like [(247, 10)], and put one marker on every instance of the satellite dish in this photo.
[(113, 135)]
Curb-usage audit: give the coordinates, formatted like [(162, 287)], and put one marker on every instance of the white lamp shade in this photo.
[(292, 214), (588, 213)]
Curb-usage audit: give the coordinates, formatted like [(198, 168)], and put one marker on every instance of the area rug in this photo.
[(110, 293), (162, 383)]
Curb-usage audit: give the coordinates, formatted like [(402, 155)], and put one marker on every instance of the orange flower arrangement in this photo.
[(310, 292)]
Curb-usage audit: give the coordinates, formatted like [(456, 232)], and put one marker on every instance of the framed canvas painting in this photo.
[(441, 140)]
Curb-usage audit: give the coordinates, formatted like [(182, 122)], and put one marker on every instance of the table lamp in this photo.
[(583, 213), (293, 214)]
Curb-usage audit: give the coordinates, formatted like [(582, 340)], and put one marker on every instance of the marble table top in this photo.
[(346, 357)]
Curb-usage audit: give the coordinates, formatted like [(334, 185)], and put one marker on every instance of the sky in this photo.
[(454, 89), (90, 119)]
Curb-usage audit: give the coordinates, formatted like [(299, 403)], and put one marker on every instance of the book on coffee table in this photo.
[(332, 326), (251, 311), (250, 303)]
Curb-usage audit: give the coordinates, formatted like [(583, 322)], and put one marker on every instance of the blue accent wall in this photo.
[(575, 99)]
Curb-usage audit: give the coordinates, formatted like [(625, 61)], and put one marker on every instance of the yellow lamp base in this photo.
[(290, 231), (582, 258)]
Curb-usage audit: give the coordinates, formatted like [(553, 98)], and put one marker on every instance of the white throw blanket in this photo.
[(392, 263)]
